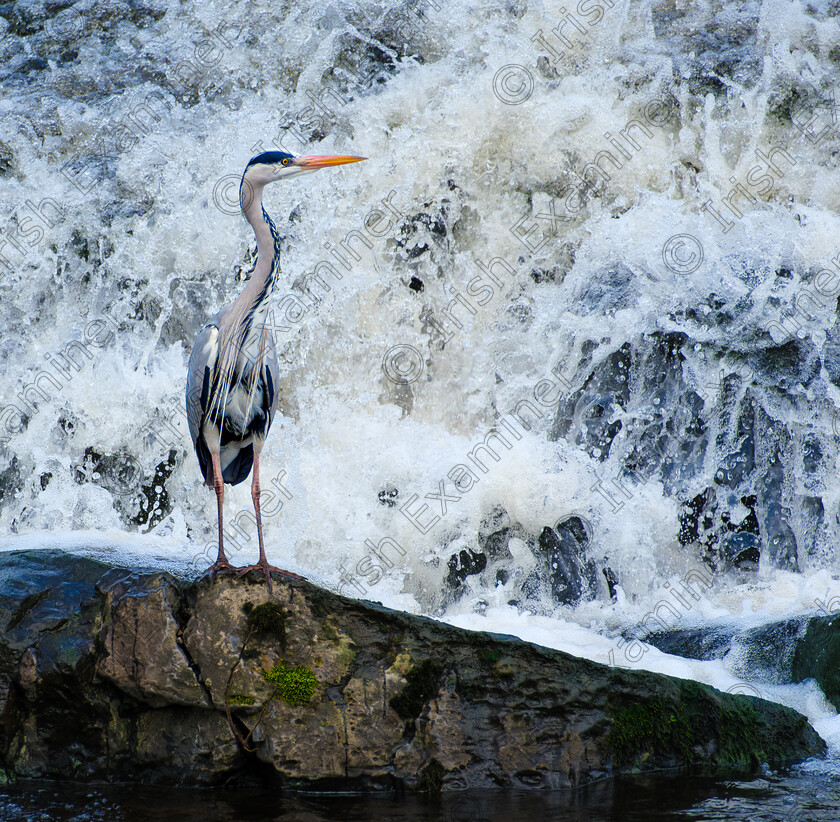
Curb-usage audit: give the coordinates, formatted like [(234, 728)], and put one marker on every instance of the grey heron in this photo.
[(233, 376)]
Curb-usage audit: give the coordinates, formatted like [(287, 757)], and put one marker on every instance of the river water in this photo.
[(559, 360), (774, 798)]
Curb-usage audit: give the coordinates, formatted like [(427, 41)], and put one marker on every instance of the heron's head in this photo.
[(281, 165)]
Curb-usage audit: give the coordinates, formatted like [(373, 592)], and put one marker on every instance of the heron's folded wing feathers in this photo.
[(200, 376), (272, 370)]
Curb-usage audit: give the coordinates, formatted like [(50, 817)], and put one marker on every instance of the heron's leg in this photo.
[(262, 564), (219, 485), (255, 495)]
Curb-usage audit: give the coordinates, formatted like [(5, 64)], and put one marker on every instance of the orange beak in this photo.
[(318, 161)]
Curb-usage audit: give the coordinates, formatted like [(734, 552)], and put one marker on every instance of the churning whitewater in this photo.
[(561, 359)]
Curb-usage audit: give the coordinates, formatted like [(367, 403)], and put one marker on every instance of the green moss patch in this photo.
[(240, 699), (699, 724), (652, 726), (295, 686)]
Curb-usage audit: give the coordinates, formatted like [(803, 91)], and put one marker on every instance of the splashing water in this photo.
[(562, 359)]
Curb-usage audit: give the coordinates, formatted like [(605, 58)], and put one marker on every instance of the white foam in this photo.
[(440, 144)]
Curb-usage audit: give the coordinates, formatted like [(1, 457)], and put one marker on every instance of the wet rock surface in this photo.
[(789, 651), (115, 674), (638, 406)]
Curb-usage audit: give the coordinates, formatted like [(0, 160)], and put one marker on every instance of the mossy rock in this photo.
[(268, 618), (295, 686), (422, 683), (363, 697), (241, 699), (817, 656), (430, 777), (695, 723)]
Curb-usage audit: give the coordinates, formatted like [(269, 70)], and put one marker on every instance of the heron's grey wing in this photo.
[(272, 377), (200, 376)]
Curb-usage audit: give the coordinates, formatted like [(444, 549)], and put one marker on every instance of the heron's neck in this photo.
[(254, 299)]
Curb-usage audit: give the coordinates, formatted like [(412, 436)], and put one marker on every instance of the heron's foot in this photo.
[(267, 570), (217, 566)]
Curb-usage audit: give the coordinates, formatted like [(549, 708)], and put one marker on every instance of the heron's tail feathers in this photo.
[(236, 464), (239, 467)]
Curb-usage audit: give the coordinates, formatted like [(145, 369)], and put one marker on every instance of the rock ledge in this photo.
[(118, 674)]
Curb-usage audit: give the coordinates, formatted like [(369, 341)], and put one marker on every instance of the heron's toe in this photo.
[(217, 566)]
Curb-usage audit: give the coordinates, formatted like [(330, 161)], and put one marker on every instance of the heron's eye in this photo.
[(285, 162)]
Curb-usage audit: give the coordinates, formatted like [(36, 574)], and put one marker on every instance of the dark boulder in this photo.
[(108, 673)]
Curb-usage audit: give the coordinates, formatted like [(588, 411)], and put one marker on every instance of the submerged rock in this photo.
[(817, 655), (550, 566), (789, 651), (117, 674)]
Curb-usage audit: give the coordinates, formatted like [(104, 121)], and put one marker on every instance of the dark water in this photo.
[(775, 798)]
